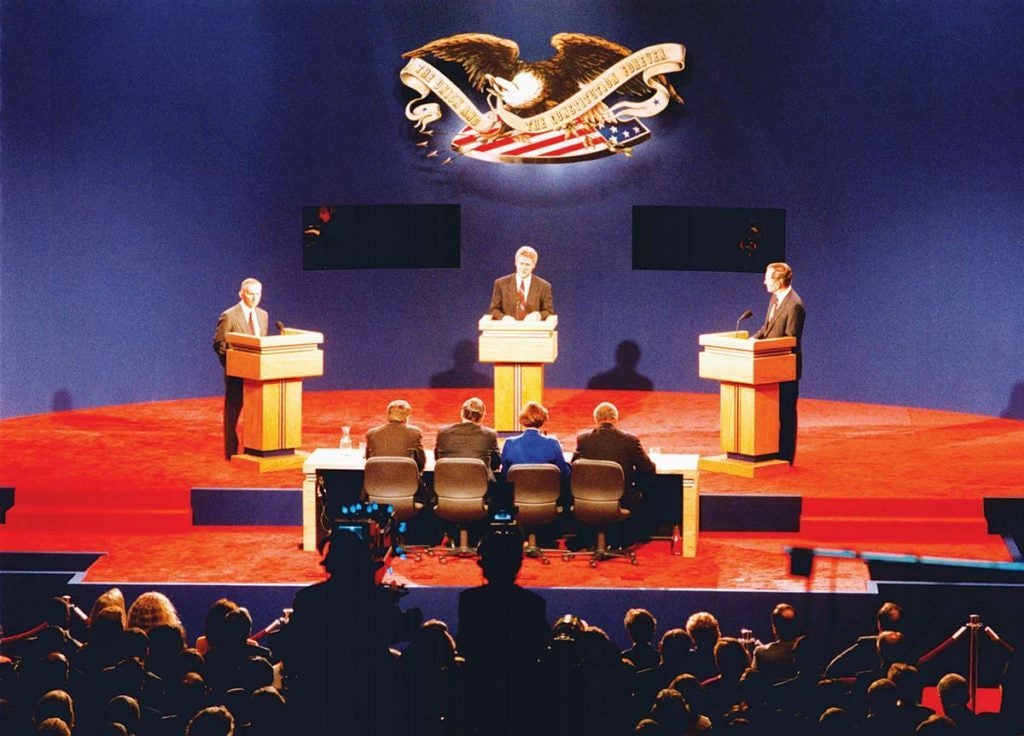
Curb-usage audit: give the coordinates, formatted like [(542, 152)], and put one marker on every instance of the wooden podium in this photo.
[(519, 351), (750, 372), (273, 368)]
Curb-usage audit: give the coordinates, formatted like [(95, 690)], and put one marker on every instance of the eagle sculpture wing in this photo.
[(479, 53), (582, 58)]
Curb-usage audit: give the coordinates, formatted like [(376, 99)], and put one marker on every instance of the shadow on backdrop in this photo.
[(1015, 406), (624, 375), (62, 400), (463, 373)]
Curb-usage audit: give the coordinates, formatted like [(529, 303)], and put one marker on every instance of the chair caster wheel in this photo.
[(632, 561), (418, 557), (443, 560), (566, 557), (545, 561), (593, 563)]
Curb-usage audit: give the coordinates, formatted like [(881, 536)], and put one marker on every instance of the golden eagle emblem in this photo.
[(566, 95)]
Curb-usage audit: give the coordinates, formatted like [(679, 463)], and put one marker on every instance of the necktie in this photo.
[(252, 323), (522, 301), (772, 307)]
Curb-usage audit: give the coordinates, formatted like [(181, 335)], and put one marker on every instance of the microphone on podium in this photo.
[(746, 315), (280, 326)]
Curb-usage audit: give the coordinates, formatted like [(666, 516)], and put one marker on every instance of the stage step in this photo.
[(894, 529), (893, 520), (85, 518)]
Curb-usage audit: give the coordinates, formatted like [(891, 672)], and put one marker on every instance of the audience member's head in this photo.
[(675, 648), (785, 625), (731, 657), (55, 704), (640, 625), (125, 710), (889, 617), (936, 725), (267, 710), (53, 727), (909, 684), (111, 729), (256, 672), (671, 711), (692, 691), (882, 697), (953, 692), (152, 609), (703, 629), (214, 623), (431, 647), (112, 598), (237, 627), (348, 561), (533, 415), (891, 648), (134, 644), (835, 722), (501, 557), (216, 720)]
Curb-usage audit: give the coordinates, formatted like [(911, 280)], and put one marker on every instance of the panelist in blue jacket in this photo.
[(531, 446)]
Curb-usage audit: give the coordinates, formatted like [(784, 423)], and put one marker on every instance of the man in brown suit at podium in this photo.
[(785, 318), (521, 295), (245, 317)]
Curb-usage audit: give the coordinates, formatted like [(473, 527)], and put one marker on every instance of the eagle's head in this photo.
[(524, 90)]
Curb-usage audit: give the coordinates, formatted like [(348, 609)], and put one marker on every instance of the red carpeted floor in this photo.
[(117, 480)]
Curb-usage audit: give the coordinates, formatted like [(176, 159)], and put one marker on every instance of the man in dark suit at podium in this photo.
[(785, 318), (521, 295), (247, 317), (469, 438)]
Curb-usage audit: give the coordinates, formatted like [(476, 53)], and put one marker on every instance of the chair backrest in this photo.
[(460, 484), (597, 489), (537, 488), (394, 481)]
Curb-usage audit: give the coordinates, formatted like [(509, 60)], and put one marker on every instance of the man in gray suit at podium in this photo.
[(247, 317)]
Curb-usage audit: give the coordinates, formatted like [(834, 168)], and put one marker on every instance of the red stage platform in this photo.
[(117, 480)]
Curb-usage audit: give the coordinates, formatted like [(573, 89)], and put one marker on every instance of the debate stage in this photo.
[(139, 496)]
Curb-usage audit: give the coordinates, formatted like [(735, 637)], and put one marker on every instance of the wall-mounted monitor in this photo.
[(679, 238), (343, 236)]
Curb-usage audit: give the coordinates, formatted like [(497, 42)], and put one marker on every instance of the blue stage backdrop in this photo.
[(155, 153)]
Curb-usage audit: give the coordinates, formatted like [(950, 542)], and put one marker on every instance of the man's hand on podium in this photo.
[(532, 317)]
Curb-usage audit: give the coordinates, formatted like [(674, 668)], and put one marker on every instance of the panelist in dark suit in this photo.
[(531, 446), (469, 438), (246, 317), (785, 318), (607, 442), (521, 295)]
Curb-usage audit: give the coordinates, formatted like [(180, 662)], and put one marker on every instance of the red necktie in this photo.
[(521, 311), (252, 323)]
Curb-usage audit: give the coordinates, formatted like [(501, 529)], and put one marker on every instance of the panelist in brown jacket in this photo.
[(522, 295)]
